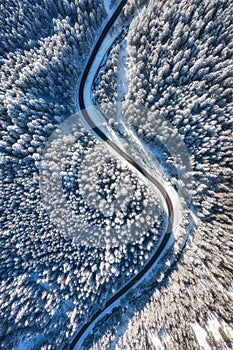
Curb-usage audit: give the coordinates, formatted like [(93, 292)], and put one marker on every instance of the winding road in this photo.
[(145, 173)]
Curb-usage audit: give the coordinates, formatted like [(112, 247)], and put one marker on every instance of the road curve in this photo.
[(145, 173)]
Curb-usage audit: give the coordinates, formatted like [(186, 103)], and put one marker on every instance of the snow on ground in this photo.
[(110, 9), (122, 82), (108, 6), (106, 44), (214, 325), (201, 335), (29, 343), (89, 330), (157, 341)]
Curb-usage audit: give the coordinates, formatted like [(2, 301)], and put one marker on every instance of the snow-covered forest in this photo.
[(179, 65), (175, 59)]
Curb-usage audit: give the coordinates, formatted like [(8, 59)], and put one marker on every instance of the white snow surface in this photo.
[(213, 325), (201, 335)]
